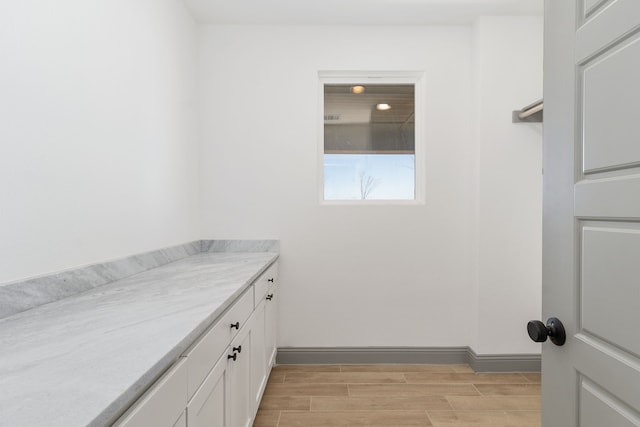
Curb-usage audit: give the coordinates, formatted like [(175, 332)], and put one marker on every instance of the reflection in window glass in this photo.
[(369, 142)]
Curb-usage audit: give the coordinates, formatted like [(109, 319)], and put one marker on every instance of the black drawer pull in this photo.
[(269, 297), (238, 349), (270, 280), (233, 356), (235, 325)]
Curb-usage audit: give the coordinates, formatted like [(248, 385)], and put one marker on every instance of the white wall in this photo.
[(99, 159), (507, 76), (464, 269), (351, 276), (98, 150)]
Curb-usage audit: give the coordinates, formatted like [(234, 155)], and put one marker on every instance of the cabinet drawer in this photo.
[(163, 404), (238, 314), (264, 282), (202, 356)]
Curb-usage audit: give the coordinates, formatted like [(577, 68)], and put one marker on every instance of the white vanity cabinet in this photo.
[(231, 393), (264, 324), (213, 343), (225, 396), (266, 292), (220, 373), (220, 379)]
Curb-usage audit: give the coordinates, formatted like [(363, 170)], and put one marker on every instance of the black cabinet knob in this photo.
[(233, 356), (554, 329), (238, 349), (269, 297), (270, 280), (235, 325)]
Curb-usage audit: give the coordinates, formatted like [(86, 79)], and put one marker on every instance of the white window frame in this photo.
[(416, 78)]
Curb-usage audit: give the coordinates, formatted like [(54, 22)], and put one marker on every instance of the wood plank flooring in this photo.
[(398, 395)]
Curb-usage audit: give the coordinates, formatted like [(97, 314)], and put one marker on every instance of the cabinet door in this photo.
[(271, 328), (241, 406), (209, 406), (258, 355)]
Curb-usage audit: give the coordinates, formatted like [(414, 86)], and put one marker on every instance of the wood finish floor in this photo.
[(398, 395)]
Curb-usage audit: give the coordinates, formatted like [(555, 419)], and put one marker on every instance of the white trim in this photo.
[(417, 78)]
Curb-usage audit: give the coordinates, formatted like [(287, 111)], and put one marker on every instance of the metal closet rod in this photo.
[(530, 110), (530, 113)]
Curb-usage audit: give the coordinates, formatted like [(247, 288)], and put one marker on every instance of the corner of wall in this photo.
[(507, 69)]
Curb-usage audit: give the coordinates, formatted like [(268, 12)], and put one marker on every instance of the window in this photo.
[(371, 140)]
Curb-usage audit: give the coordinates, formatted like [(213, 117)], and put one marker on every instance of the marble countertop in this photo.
[(84, 359)]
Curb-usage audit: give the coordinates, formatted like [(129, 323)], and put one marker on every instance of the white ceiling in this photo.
[(356, 12)]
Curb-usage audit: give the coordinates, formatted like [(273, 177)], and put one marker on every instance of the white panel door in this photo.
[(591, 227), (182, 421)]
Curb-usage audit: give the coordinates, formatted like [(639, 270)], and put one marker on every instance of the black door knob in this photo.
[(554, 329)]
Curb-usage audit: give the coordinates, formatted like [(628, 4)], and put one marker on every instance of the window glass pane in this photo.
[(369, 176), (369, 142)]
